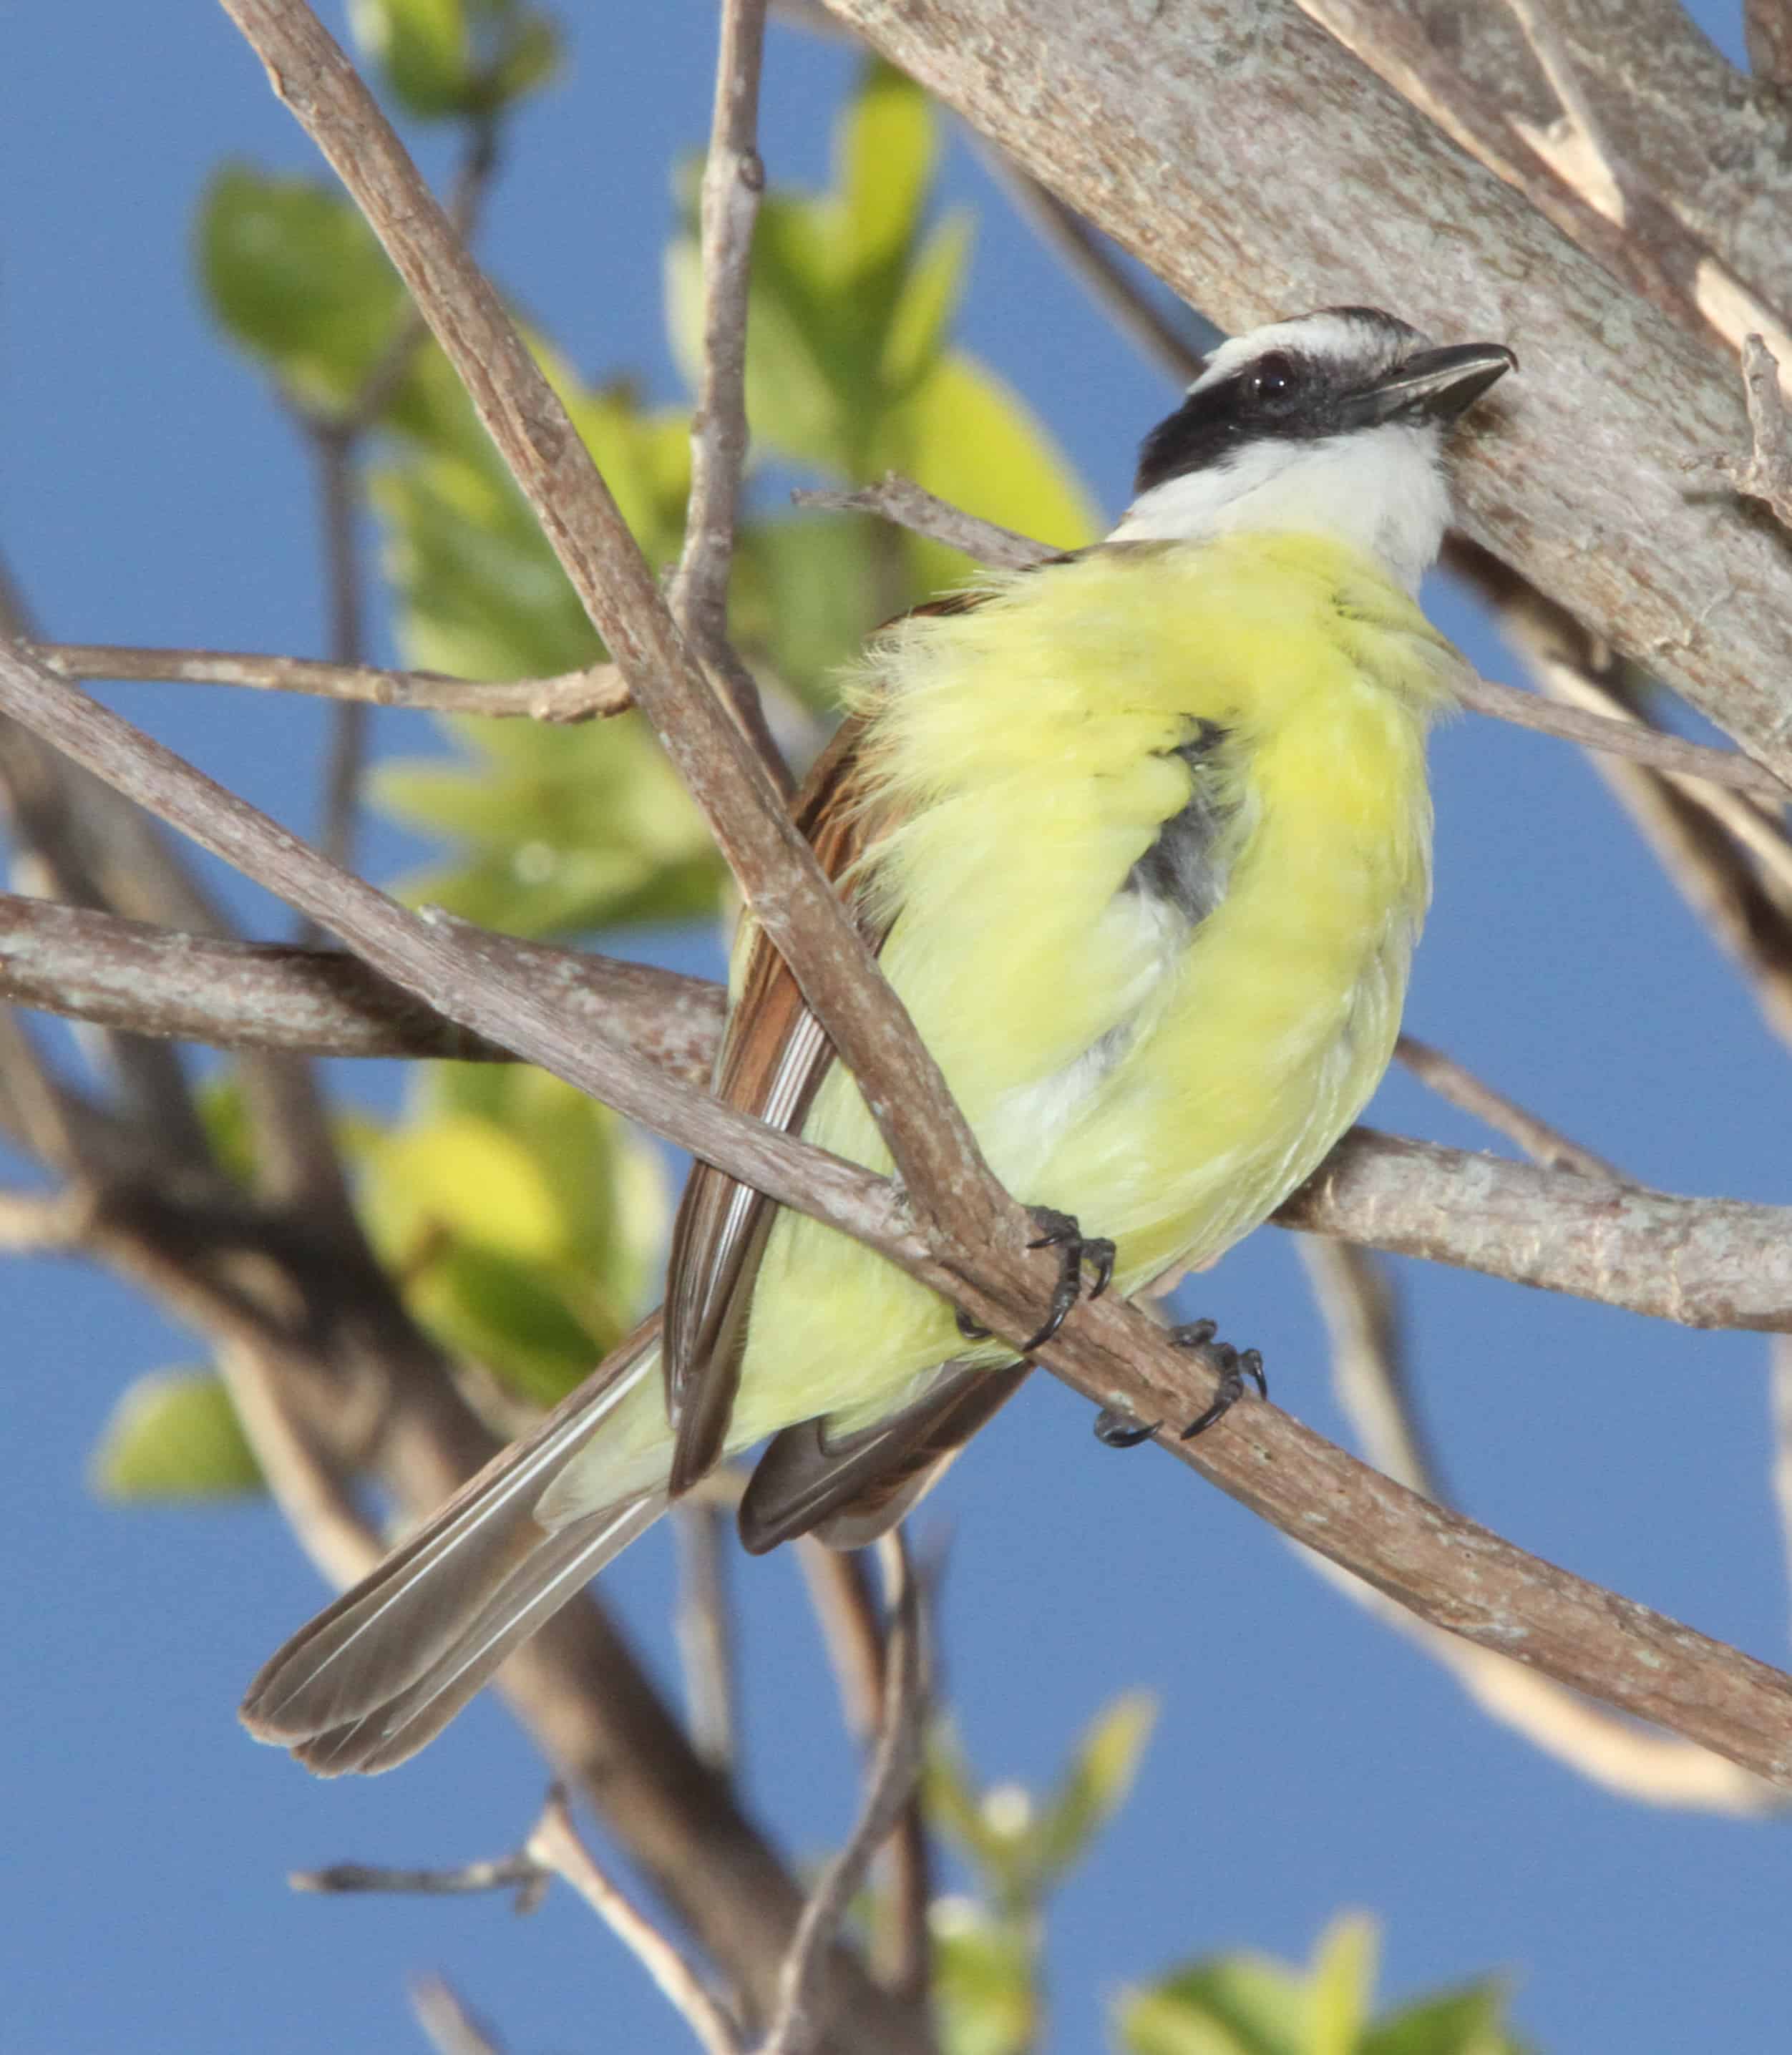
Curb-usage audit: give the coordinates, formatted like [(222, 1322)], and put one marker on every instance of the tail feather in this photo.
[(396, 1729), (377, 1673)]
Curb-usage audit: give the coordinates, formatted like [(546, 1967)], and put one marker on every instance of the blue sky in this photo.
[(1306, 1760)]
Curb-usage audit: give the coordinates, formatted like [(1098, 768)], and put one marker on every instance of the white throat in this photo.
[(1380, 490)]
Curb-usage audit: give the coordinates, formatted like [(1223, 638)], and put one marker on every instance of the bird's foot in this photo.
[(1061, 1232), (1116, 1429)]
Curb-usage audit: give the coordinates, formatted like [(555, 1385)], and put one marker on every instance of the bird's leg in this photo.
[(1116, 1429), (1061, 1232)]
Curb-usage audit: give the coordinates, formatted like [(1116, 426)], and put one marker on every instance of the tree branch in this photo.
[(1111, 1352), (1212, 191), (1355, 1298), (931, 1145), (733, 178), (594, 693)]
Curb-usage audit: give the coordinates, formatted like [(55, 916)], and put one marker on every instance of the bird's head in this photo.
[(1332, 423)]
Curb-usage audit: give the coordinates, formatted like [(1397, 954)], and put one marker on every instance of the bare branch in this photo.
[(1765, 474), (555, 1845), (519, 1872), (704, 1629), (1542, 1142), (897, 498), (338, 494), (932, 1145), (1209, 192), (446, 2019), (594, 693), (895, 1765), (1356, 1299), (1703, 1262), (733, 178), (276, 995), (853, 1632)]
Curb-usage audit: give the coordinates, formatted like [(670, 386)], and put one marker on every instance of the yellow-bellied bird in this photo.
[(1142, 836)]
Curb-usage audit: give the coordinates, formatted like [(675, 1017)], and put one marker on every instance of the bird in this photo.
[(1141, 835)]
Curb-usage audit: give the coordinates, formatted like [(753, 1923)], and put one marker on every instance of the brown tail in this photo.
[(385, 1668)]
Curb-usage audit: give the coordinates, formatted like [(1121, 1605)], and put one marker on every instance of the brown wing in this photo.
[(773, 1059), (849, 1489)]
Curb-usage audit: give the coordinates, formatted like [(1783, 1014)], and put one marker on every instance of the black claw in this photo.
[(972, 1330), (1116, 1429), (1060, 1230), (1234, 1366)]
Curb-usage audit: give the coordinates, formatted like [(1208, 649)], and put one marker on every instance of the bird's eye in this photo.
[(1272, 377)]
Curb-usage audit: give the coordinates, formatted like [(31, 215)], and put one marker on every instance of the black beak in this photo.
[(1432, 385)]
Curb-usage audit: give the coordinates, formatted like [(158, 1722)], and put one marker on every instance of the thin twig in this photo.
[(895, 1765), (555, 1844), (852, 1631), (930, 1141), (1356, 1296), (449, 2021), (733, 178), (704, 1629), (592, 693), (521, 1873), (37, 1103), (1542, 1142), (1087, 254), (338, 495)]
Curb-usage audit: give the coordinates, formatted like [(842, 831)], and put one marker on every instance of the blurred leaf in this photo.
[(1242, 2004), (449, 59), (918, 324), (1467, 2021), (225, 1119), (1095, 1785), (806, 594), (457, 1175), (985, 1991), (174, 1436), (294, 276), (522, 1221), (884, 153), (1343, 1983)]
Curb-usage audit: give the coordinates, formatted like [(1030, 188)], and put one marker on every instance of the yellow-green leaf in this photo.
[(1095, 1783), (1343, 1983), (173, 1436), (884, 152), (295, 275), (464, 1179), (985, 1986)]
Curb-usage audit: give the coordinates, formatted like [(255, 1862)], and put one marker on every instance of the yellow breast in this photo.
[(1168, 1083)]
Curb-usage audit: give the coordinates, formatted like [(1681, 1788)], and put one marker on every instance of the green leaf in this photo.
[(985, 1981), (449, 59), (1095, 1785), (459, 1177), (510, 1317), (930, 299), (174, 1437), (1343, 1983), (294, 276), (1242, 2004), (1465, 2021), (522, 1220), (806, 591), (884, 152)]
